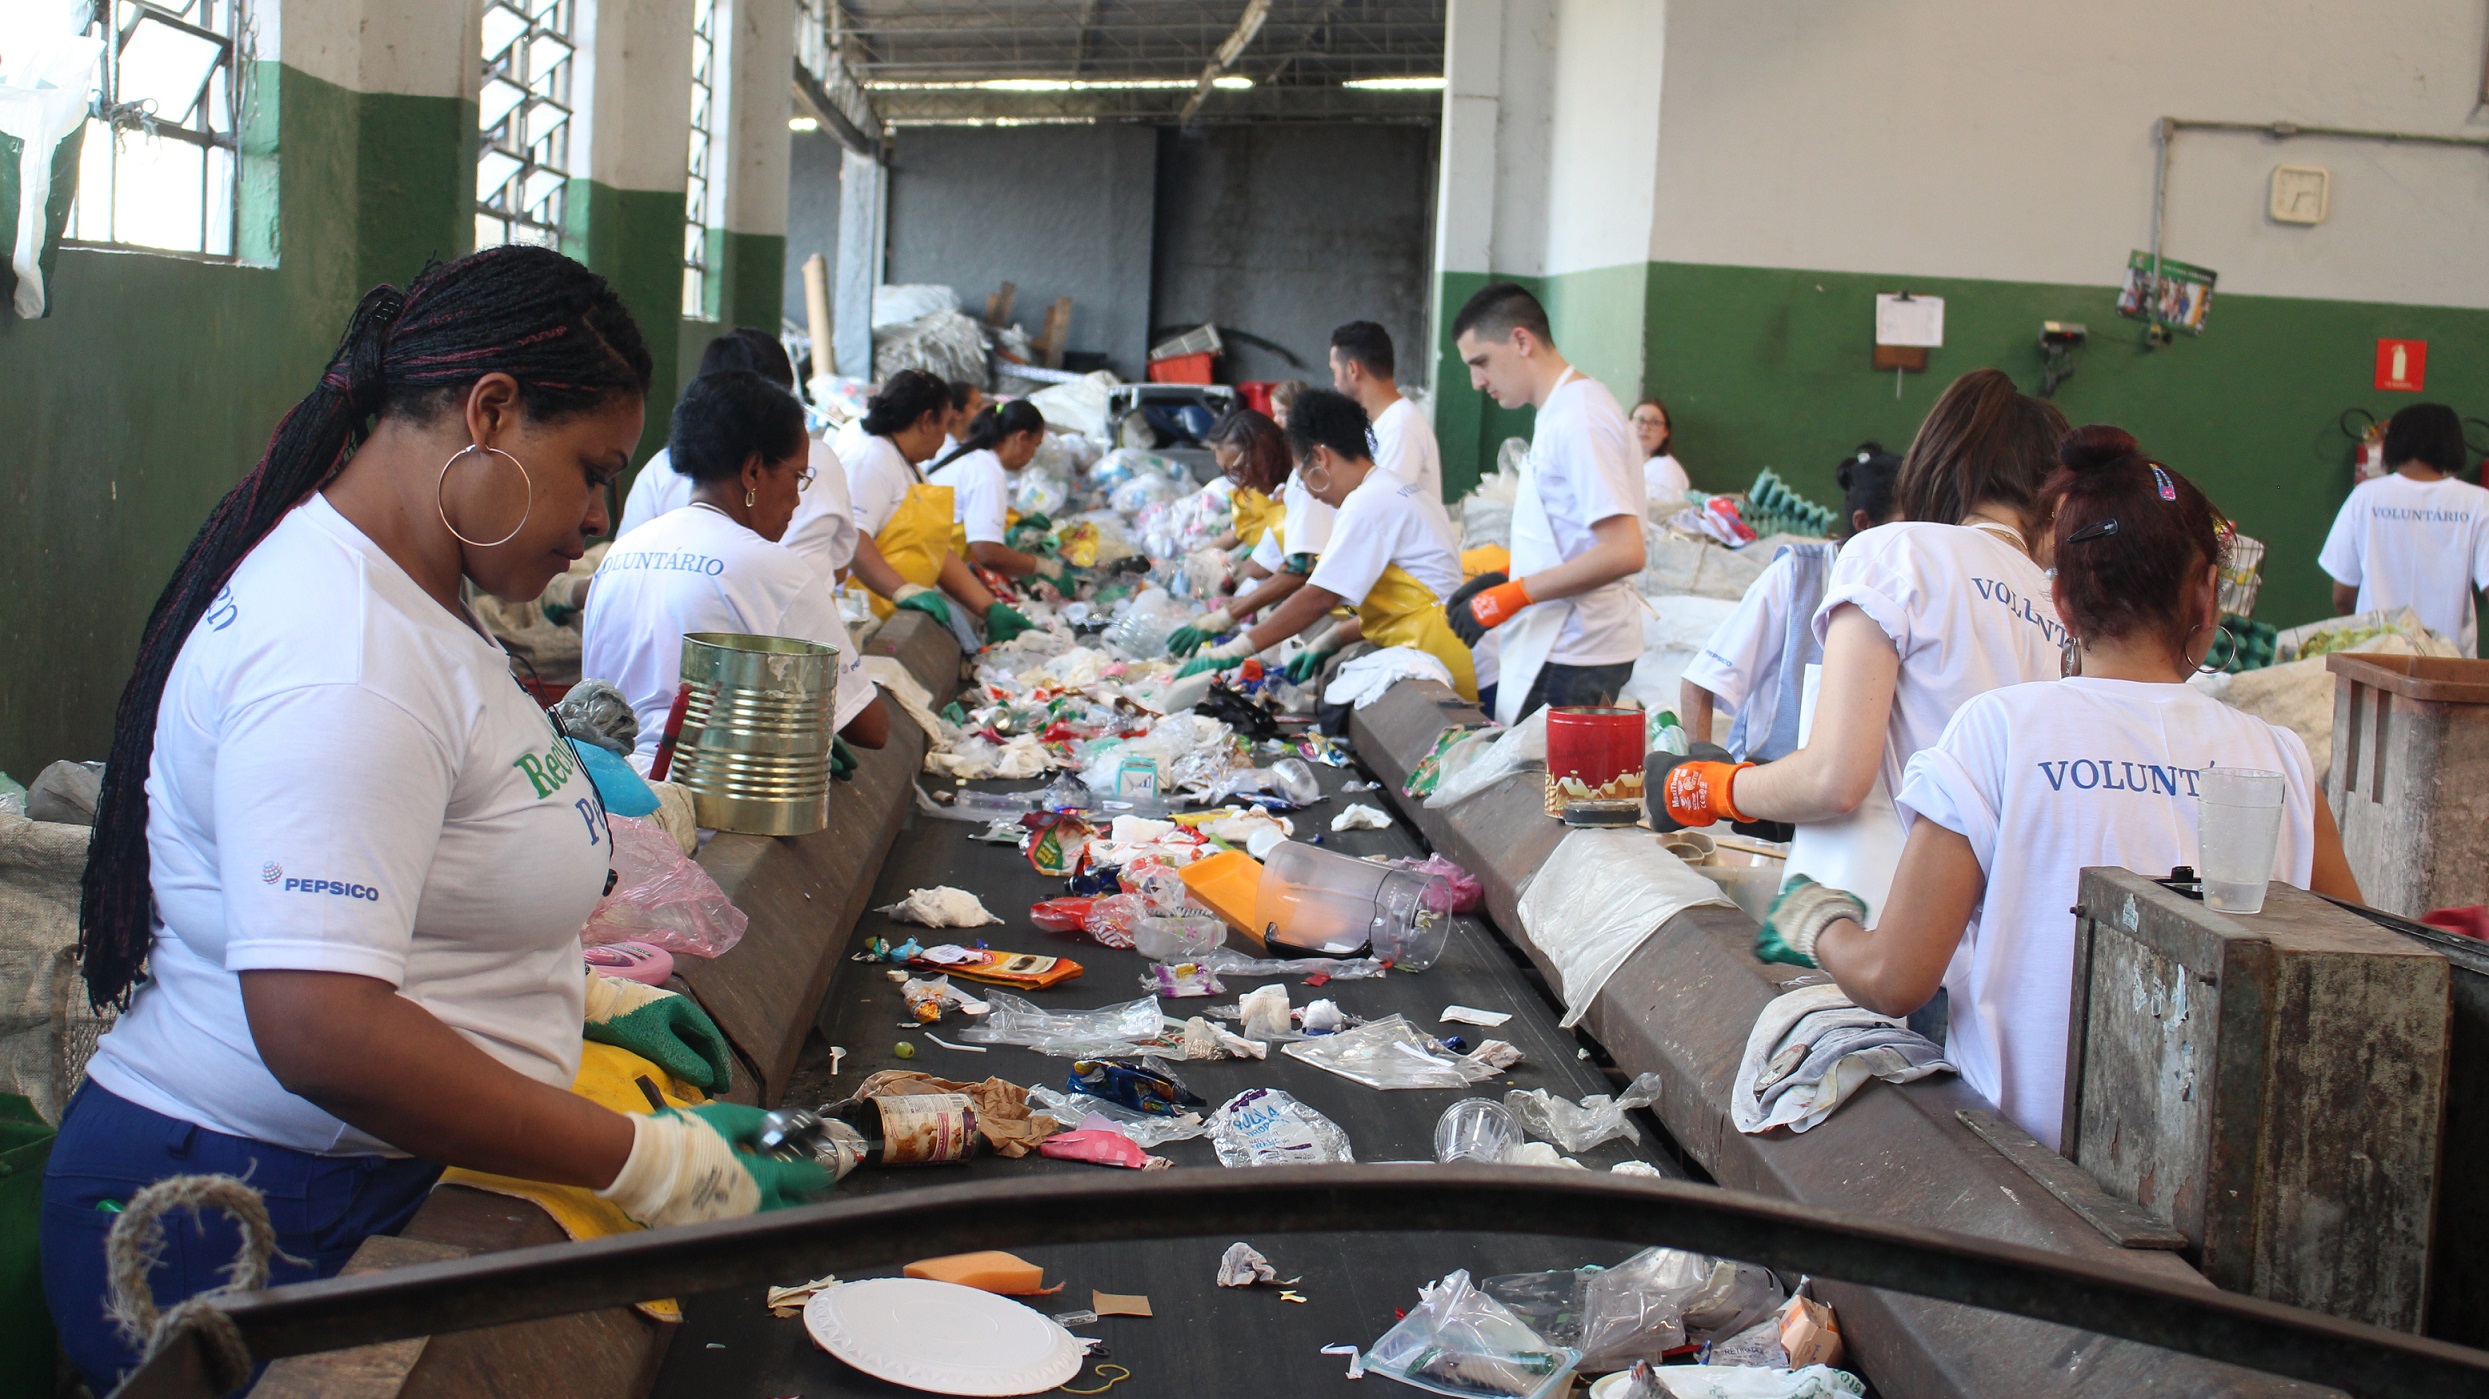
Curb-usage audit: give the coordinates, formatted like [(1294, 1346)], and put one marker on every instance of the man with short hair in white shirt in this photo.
[(1567, 627), (2416, 537), (1362, 367)]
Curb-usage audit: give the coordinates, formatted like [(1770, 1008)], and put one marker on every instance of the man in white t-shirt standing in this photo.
[(2415, 537), (1362, 367), (1566, 624)]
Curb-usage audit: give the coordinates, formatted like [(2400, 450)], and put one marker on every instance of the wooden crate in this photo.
[(2273, 1086), (2409, 781)]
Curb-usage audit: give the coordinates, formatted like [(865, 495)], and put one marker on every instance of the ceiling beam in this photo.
[(1247, 25)]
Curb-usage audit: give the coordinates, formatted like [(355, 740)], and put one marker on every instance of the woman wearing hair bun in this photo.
[(2031, 783)]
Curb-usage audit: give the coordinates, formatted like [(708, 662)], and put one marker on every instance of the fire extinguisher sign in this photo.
[(2402, 365)]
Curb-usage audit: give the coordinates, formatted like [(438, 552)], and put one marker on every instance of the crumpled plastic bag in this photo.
[(1003, 1115), (1126, 1030), (594, 711), (1145, 1129), (1577, 1127), (1362, 680), (1388, 1053), (1598, 898), (940, 907), (1458, 1340), (1487, 757), (1654, 1302), (1243, 1265), (662, 897), (1811, 1049), (1265, 1127), (1745, 1382), (1357, 816)]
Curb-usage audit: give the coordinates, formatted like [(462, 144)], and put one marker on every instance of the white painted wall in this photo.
[(2012, 139)]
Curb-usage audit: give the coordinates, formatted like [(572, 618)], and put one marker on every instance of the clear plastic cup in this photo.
[(2238, 827), (1476, 1131)]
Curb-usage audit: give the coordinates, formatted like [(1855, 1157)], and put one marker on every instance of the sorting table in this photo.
[(1203, 1340)]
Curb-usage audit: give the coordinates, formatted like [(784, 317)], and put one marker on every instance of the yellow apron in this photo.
[(1254, 513), (1401, 611), (916, 537)]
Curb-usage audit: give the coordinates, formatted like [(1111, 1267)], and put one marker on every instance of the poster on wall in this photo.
[(2181, 300)]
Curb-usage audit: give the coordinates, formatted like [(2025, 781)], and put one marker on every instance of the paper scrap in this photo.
[(789, 1301), (1118, 1304), (1471, 1015), (1360, 817), (1296, 1297), (1356, 1361), (940, 907), (1243, 1265)]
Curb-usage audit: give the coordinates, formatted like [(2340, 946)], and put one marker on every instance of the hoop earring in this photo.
[(2070, 659), (440, 504), (750, 498), (2229, 657)]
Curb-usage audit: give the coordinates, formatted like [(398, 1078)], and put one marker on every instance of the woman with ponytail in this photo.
[(2031, 783), (1000, 440), (341, 860), (907, 519)]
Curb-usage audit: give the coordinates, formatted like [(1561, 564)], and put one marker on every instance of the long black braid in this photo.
[(531, 313)]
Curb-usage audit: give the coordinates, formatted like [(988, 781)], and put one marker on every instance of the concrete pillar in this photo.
[(625, 203), (1473, 51), (863, 217), (748, 246)]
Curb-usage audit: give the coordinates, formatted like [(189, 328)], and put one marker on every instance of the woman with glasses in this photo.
[(716, 565)]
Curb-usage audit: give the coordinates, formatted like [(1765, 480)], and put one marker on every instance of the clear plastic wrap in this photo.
[(1577, 1127), (1227, 961), (1128, 1029), (662, 897), (1654, 1302), (596, 712), (1265, 1127), (1387, 1053), (1458, 1340), (1146, 1129)]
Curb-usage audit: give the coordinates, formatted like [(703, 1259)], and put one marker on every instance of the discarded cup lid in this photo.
[(942, 1338)]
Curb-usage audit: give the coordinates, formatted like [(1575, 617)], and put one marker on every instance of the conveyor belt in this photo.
[(1204, 1341)]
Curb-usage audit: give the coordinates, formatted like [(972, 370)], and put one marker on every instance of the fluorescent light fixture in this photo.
[(1231, 84), (1396, 84), (803, 123), (895, 123)]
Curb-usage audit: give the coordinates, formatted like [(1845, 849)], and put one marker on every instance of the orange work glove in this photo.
[(1484, 603), (1697, 792)]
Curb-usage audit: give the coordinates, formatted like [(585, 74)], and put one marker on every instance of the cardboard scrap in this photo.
[(789, 1301), (1118, 1304)]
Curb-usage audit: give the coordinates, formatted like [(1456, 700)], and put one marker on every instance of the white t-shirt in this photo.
[(2044, 780), (878, 476), (2417, 544), (1742, 658), (980, 495), (695, 570), (1968, 612), (1383, 522), (824, 527), (1305, 520), (1404, 443), (1588, 469), (346, 779), (1666, 482)]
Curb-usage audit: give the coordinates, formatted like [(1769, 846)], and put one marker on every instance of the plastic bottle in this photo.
[(923, 1129)]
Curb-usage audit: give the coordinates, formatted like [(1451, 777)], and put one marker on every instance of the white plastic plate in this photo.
[(941, 1337)]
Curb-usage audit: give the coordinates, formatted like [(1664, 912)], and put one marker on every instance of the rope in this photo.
[(136, 1245)]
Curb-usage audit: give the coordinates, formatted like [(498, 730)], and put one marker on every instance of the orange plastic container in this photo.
[(1228, 882), (1181, 369)]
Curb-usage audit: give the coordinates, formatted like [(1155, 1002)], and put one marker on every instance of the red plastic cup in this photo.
[(1594, 754)]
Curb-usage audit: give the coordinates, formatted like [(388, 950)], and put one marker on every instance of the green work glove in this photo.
[(1199, 664), (690, 1165), (1038, 523), (916, 597), (1307, 667), (842, 760), (1002, 622), (1799, 916), (668, 1030), (1186, 640)]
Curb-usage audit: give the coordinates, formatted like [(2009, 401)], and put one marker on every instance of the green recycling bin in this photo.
[(26, 1341)]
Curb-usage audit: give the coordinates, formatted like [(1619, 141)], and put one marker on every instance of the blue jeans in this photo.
[(110, 1148), (1565, 685)]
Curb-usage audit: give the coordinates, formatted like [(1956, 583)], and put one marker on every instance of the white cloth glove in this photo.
[(906, 591), (1235, 648), (681, 1171), (1215, 621)]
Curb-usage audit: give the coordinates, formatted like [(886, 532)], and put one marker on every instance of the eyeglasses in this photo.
[(803, 477)]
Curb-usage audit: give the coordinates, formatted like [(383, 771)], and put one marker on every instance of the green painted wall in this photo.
[(156, 380), (635, 238), (1769, 367)]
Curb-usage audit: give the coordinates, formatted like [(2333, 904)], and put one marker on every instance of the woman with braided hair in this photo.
[(341, 860)]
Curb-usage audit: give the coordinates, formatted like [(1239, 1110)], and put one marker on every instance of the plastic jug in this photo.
[(1316, 902)]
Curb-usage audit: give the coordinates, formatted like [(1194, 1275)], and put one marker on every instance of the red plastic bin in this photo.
[(1256, 394), (1181, 369)]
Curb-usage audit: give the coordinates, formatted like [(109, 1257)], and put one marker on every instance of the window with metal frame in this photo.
[(161, 162), (522, 169), (696, 214)]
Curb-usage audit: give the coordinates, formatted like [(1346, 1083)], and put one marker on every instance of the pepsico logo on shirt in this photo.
[(271, 872), (336, 887)]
